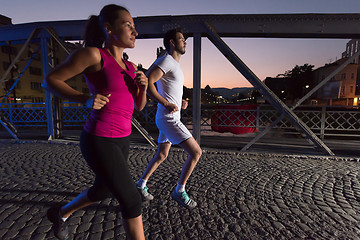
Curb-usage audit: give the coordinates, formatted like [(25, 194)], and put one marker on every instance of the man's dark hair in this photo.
[(171, 35)]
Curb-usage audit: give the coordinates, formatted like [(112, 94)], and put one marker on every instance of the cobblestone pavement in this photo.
[(240, 195)]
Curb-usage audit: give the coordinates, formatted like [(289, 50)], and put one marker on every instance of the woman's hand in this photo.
[(141, 80), (142, 83), (97, 101)]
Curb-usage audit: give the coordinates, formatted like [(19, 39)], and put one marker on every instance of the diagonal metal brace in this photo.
[(9, 127), (16, 59), (311, 92), (20, 75), (3, 120), (143, 132), (56, 37), (266, 130), (263, 89), (327, 79)]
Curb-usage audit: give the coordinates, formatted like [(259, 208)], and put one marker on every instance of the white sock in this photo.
[(180, 188), (62, 218), (142, 183)]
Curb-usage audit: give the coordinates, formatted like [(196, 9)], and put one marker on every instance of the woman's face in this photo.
[(122, 33)]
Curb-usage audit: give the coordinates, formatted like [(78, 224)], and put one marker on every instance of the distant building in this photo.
[(5, 20), (352, 47), (343, 89), (29, 89)]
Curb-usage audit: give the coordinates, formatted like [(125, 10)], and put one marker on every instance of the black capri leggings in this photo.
[(107, 157)]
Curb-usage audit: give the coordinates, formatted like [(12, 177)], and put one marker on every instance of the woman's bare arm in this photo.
[(80, 61)]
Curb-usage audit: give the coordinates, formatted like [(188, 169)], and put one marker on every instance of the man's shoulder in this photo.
[(165, 62), (165, 58)]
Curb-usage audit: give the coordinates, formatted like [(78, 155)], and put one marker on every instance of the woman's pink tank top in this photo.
[(114, 119)]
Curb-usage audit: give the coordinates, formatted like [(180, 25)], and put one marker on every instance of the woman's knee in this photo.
[(95, 194), (132, 209)]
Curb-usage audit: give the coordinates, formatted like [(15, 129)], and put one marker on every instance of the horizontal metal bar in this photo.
[(343, 26), (12, 104)]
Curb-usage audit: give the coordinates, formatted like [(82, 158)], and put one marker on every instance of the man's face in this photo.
[(180, 43)]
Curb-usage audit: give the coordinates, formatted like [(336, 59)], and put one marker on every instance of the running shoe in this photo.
[(60, 228), (183, 199), (145, 195)]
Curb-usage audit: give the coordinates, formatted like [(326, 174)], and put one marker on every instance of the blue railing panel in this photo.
[(34, 114)]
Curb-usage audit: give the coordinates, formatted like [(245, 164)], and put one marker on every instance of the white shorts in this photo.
[(172, 130)]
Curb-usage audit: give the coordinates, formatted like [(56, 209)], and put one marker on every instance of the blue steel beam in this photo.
[(8, 129), (66, 29), (197, 87), (344, 26), (48, 97)]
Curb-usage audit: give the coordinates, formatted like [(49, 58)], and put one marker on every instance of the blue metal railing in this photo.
[(34, 114), (74, 115), (322, 120), (25, 114)]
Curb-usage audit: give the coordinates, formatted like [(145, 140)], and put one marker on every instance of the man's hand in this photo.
[(97, 101), (184, 104), (171, 107)]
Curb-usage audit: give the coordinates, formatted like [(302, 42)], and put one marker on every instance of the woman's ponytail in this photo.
[(94, 35)]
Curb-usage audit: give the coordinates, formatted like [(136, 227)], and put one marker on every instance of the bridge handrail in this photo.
[(322, 120)]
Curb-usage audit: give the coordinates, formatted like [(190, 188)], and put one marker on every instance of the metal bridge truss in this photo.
[(55, 116), (214, 27)]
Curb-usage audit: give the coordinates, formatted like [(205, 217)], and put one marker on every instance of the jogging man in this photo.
[(168, 75)]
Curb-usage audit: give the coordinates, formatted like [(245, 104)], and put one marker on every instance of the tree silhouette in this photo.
[(299, 78)]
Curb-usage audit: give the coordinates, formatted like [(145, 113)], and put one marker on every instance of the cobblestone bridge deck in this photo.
[(240, 195)]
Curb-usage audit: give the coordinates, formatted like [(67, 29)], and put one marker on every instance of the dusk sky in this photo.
[(265, 57)]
